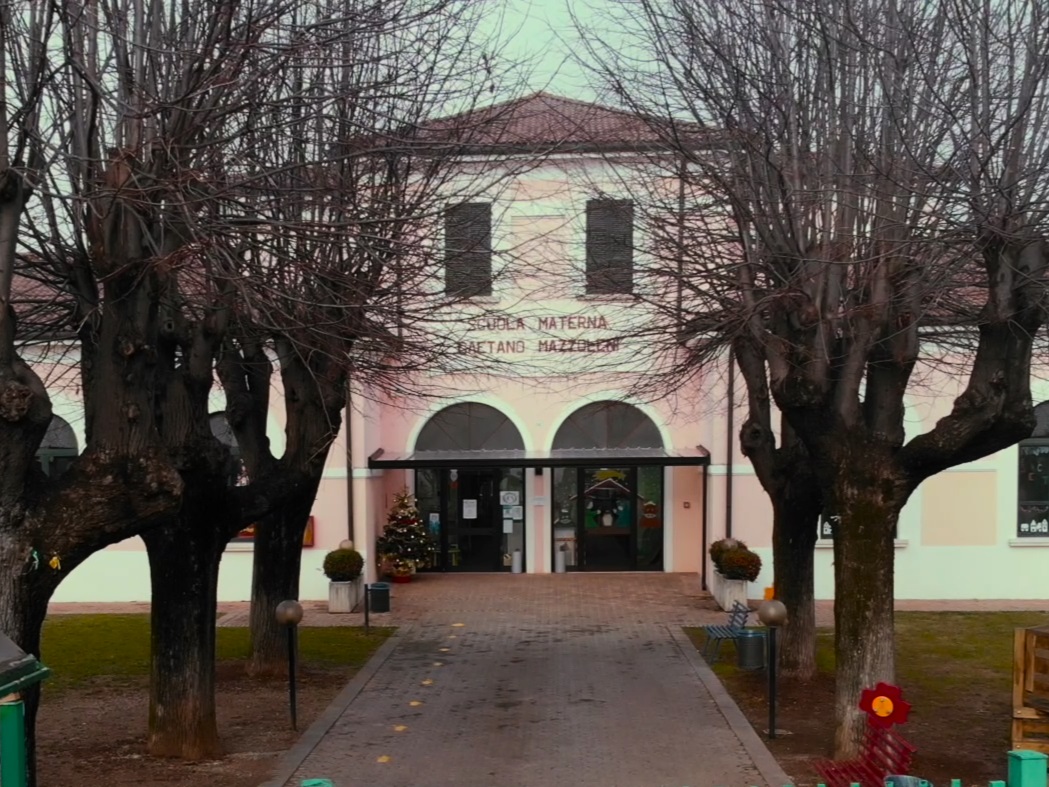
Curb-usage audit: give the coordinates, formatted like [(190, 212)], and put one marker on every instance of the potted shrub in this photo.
[(734, 567), (343, 568)]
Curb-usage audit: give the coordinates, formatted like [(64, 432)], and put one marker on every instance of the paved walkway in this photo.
[(579, 680), (536, 681)]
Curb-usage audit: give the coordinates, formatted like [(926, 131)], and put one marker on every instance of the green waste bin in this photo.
[(750, 649), (379, 600)]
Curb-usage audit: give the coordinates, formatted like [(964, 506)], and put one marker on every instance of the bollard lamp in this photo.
[(772, 613), (289, 613)]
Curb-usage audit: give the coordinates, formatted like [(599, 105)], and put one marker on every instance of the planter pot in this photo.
[(344, 596), (402, 578), (728, 591)]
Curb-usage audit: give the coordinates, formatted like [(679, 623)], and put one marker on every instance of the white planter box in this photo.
[(344, 596), (728, 591)]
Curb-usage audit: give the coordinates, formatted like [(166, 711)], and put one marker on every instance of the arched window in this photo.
[(608, 425), (222, 431), (469, 426), (1033, 483), (59, 447)]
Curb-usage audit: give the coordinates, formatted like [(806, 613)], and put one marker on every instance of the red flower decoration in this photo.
[(884, 705)]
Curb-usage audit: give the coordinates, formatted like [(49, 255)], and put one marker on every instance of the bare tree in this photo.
[(686, 239), (356, 181), (880, 162), (138, 224)]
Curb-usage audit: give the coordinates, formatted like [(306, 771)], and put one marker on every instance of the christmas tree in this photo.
[(405, 540)]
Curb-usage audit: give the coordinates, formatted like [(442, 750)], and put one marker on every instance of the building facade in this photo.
[(565, 450)]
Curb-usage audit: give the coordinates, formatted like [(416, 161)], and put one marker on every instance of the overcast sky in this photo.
[(541, 30)]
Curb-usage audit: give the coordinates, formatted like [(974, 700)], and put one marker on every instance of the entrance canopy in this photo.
[(567, 457), (476, 435)]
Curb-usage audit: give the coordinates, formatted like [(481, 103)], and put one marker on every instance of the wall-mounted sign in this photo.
[(509, 498), (469, 509)]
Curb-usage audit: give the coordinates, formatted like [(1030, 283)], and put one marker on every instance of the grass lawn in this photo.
[(82, 649), (955, 669), (93, 718)]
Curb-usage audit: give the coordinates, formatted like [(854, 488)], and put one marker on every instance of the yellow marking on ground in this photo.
[(451, 636), (415, 703), (400, 728), (444, 650), (383, 758), (438, 663), (458, 625), (428, 682)]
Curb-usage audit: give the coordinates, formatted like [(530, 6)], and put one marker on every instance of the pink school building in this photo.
[(547, 461)]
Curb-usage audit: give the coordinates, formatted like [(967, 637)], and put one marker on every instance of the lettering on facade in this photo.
[(578, 346), (513, 346), (573, 322), (499, 348)]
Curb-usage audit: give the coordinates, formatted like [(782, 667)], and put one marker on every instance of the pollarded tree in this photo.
[(355, 184), (687, 237), (881, 163), (143, 222), (123, 482)]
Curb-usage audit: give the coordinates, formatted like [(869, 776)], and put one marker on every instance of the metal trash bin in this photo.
[(750, 649), (379, 597)]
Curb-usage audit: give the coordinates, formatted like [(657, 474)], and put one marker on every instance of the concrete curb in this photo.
[(759, 753), (297, 754)]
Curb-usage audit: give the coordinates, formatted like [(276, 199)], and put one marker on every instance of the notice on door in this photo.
[(508, 526), (469, 509)]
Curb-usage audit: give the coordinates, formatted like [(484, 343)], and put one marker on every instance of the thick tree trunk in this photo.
[(23, 606), (863, 606), (275, 578), (794, 527), (184, 560)]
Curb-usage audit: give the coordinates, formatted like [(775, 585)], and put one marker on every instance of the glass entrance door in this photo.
[(473, 529), (475, 516), (607, 519)]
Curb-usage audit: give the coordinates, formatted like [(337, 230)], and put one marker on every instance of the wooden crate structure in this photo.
[(1031, 689)]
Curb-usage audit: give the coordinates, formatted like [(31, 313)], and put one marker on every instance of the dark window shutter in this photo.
[(609, 247), (468, 249)]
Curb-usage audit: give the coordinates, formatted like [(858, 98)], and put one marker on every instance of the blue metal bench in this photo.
[(737, 620)]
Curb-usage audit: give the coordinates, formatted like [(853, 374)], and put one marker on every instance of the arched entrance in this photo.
[(475, 511), (608, 515)]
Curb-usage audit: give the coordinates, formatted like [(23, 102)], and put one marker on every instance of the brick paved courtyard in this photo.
[(537, 680)]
